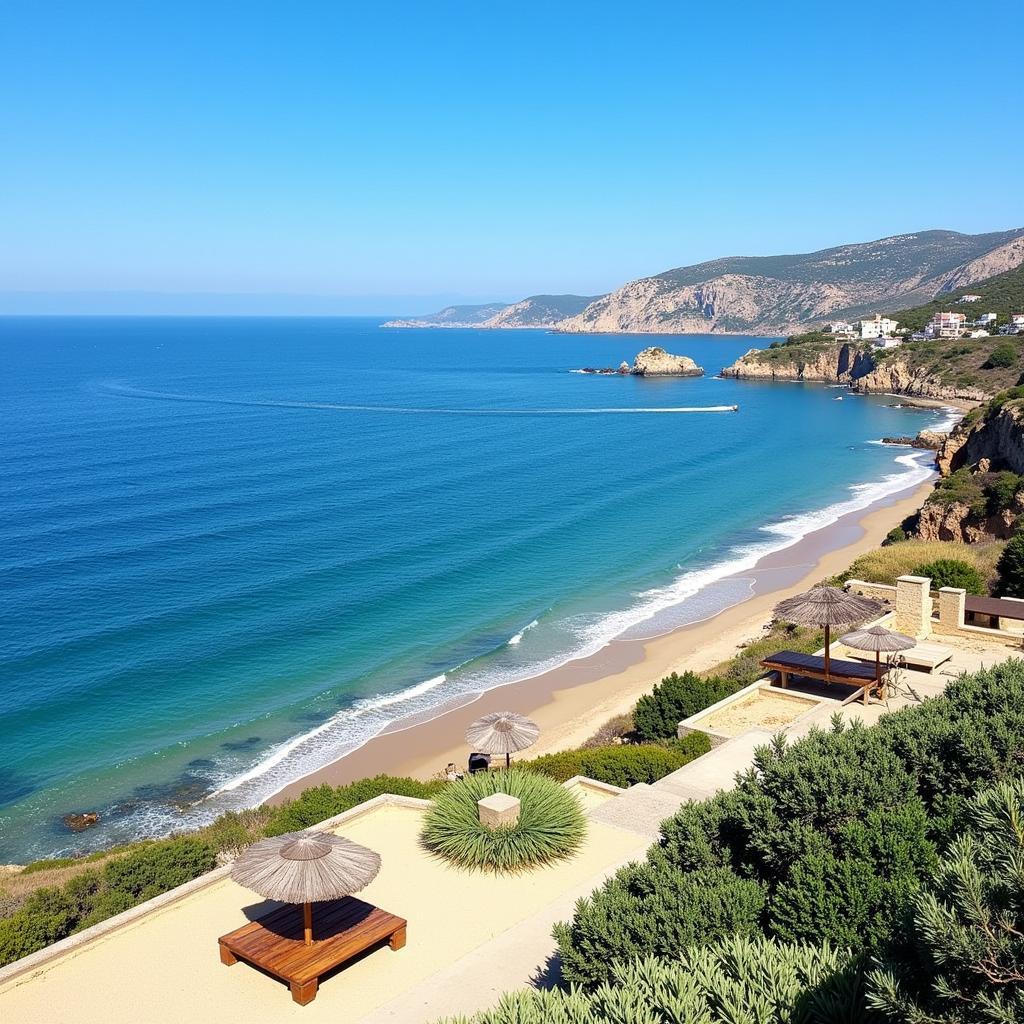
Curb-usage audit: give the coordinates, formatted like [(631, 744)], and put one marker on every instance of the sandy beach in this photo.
[(571, 702)]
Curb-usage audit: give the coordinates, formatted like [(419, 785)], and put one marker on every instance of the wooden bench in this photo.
[(924, 655), (342, 928), (851, 673)]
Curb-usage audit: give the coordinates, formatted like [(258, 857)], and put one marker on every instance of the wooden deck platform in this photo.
[(850, 673), (342, 929)]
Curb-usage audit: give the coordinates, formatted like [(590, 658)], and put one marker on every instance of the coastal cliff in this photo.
[(980, 496), (861, 368)]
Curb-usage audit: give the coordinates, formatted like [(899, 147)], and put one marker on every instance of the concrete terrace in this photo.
[(471, 936)]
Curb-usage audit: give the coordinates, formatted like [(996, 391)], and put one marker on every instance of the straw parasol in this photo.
[(828, 607), (306, 868), (880, 640), (502, 732)]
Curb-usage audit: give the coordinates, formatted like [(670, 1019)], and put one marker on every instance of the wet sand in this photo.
[(571, 702)]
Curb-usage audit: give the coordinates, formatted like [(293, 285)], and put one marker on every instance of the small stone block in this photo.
[(499, 810)]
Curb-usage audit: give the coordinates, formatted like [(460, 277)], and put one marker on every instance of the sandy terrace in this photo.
[(165, 967), (763, 709)]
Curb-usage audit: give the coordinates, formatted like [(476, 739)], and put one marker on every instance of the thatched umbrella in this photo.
[(878, 639), (306, 868), (828, 607), (502, 732)]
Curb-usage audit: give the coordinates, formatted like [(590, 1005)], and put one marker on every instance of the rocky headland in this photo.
[(651, 362), (858, 367)]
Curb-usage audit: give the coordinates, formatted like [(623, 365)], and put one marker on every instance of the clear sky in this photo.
[(390, 156)]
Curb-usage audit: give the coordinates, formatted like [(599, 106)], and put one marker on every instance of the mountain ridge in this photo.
[(767, 295)]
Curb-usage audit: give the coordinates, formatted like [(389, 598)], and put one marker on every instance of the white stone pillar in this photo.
[(952, 607), (913, 607), (499, 810)]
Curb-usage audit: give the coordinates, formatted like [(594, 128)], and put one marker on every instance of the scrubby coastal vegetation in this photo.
[(899, 843)]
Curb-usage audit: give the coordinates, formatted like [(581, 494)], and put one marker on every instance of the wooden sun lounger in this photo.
[(342, 930), (852, 673), (927, 656)]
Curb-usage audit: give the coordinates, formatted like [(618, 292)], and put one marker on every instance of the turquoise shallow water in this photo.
[(233, 549)]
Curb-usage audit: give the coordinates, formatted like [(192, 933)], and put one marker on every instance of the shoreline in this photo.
[(571, 702)]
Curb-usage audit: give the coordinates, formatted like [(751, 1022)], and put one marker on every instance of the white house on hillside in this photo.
[(985, 319), (948, 325), (968, 298), (878, 327)]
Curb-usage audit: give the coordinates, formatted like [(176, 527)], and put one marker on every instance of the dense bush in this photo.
[(736, 981), (551, 822), (805, 819), (1010, 568), (623, 764), (1001, 490), (318, 803), (645, 910), (952, 572), (962, 958), (895, 535), (1003, 355), (51, 914), (963, 488), (658, 713)]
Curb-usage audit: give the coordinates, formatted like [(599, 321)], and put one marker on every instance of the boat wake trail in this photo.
[(125, 391)]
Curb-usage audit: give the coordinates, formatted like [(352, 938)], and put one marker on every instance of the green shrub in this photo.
[(676, 697), (623, 764), (1010, 568), (895, 535), (821, 806), (736, 981), (157, 867), (951, 572), (963, 488), (1001, 490), (47, 916), (551, 822), (1002, 355), (965, 946), (857, 893), (643, 910), (318, 803)]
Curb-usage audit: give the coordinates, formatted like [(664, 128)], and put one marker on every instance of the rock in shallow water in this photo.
[(80, 822), (656, 362)]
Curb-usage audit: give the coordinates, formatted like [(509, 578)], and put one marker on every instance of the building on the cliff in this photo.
[(887, 343), (968, 298), (985, 319), (947, 325), (877, 327), (841, 330)]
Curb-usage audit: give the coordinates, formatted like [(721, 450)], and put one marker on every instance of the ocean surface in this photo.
[(234, 549)]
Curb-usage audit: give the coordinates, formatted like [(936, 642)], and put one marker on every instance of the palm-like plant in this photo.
[(551, 822)]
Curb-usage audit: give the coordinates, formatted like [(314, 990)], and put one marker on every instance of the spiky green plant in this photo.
[(551, 823), (736, 981)]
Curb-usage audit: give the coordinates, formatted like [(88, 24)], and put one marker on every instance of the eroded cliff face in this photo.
[(956, 522), (996, 439), (847, 364)]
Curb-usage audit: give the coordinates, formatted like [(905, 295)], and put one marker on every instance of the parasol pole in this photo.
[(828, 643), (307, 922)]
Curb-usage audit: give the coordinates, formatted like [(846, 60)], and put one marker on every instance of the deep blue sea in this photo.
[(233, 549)]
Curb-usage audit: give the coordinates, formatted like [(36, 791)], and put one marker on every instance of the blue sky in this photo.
[(387, 157)]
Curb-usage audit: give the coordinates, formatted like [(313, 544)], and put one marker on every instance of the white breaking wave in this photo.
[(517, 639), (354, 726)]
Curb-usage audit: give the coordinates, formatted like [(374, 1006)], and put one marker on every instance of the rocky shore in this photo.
[(652, 362), (847, 364)]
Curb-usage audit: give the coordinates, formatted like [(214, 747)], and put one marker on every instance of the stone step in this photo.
[(641, 809)]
